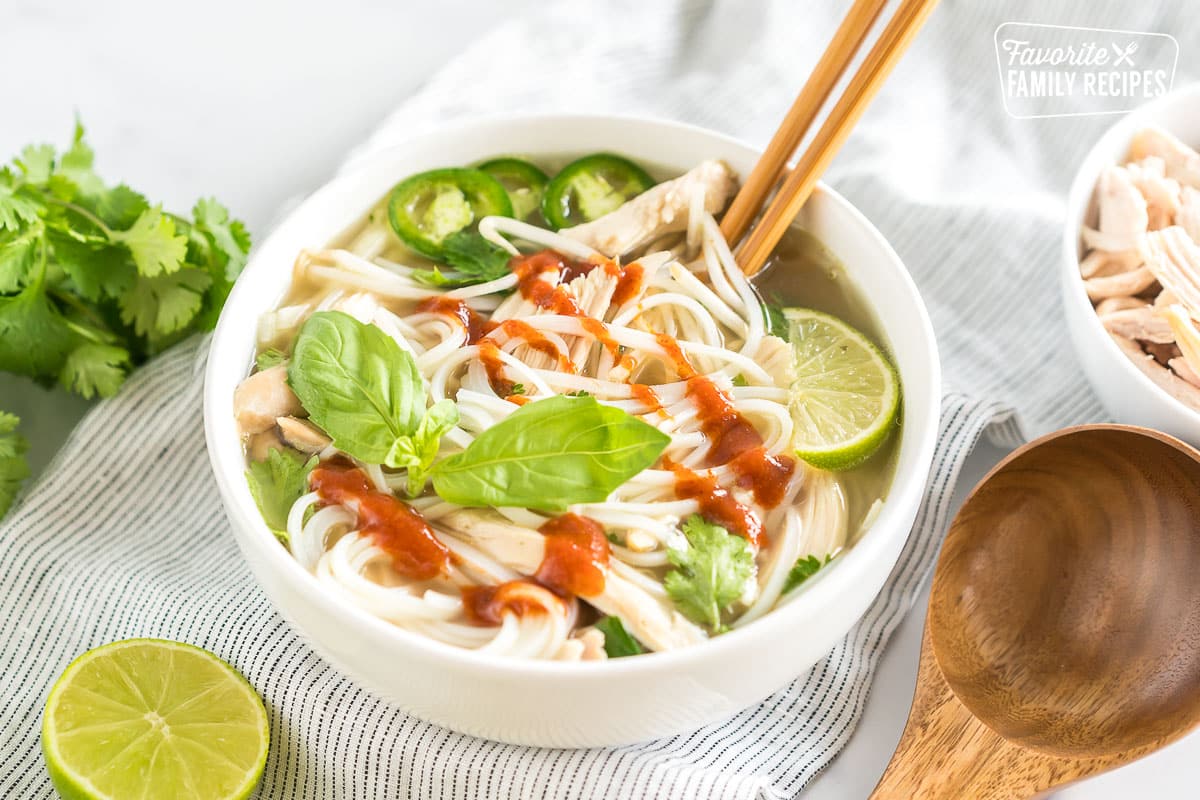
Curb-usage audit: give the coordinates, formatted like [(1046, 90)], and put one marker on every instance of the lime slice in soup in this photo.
[(152, 718), (846, 398)]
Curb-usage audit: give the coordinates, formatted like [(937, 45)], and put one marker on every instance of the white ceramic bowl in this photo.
[(592, 703), (1128, 395)]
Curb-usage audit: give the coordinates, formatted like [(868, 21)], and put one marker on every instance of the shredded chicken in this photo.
[(1180, 161), (648, 618), (1141, 263), (1142, 324), (660, 210)]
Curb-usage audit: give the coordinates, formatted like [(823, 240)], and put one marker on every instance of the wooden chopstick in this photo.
[(862, 88), (769, 170)]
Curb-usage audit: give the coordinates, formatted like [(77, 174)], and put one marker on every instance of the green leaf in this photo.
[(152, 241), (549, 454), (228, 237), (357, 384), (416, 453), (803, 569), (16, 209), (617, 641), (95, 369), (277, 483), (18, 253), (37, 162), (710, 574), (13, 467), (76, 165), (163, 304), (120, 207), (475, 260), (775, 321), (268, 358), (34, 336), (95, 268)]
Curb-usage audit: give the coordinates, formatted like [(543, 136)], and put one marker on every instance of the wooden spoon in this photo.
[(1063, 634)]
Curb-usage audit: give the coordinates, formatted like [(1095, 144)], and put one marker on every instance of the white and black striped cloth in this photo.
[(125, 536)]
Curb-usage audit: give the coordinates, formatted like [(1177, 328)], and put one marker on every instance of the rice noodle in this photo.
[(691, 290)]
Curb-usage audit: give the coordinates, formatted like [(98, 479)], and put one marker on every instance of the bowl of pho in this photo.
[(502, 429)]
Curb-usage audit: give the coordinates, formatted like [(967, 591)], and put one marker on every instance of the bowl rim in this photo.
[(1079, 197), (250, 529)]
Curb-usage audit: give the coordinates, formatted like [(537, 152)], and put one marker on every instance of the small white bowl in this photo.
[(592, 703), (1128, 395)]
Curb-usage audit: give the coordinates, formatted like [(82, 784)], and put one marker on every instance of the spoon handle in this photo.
[(945, 753)]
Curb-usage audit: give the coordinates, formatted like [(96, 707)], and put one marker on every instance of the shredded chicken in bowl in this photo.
[(1141, 263)]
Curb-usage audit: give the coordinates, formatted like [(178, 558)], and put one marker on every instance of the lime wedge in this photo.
[(846, 398), (152, 718)]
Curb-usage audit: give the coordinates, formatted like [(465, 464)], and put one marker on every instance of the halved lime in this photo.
[(846, 398), (152, 718)]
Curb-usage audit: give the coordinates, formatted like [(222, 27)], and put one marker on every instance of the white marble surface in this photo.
[(256, 102)]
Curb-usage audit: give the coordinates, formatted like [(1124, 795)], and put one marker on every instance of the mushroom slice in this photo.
[(1181, 162), (1175, 261), (1166, 380), (263, 398), (657, 211), (302, 435)]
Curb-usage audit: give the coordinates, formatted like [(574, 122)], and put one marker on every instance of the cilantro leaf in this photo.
[(95, 269), (15, 209), (152, 241), (802, 570), (710, 574), (76, 165), (95, 369), (34, 336), (17, 256), (268, 358), (121, 207), (417, 451), (165, 303), (227, 236), (475, 260), (277, 483), (617, 641), (775, 320), (37, 162), (13, 467)]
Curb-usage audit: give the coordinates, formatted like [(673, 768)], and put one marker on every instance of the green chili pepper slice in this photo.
[(427, 208), (592, 187), (524, 183)]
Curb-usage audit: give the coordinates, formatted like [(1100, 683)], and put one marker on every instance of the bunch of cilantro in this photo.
[(94, 280)]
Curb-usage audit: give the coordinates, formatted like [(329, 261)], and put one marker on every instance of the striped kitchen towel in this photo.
[(124, 535)]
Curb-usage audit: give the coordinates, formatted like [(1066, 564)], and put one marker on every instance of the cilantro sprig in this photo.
[(95, 279), (709, 574)]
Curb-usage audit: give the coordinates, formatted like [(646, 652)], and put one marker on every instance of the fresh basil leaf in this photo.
[(357, 384), (617, 641), (549, 454), (802, 570), (710, 573), (416, 453), (277, 483)]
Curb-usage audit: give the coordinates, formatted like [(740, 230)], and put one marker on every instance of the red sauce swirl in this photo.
[(392, 525), (475, 325), (576, 556)]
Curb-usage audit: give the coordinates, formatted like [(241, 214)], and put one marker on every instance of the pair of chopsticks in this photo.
[(796, 186)]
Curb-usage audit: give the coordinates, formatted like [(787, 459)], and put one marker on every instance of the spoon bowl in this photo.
[(1063, 635)]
